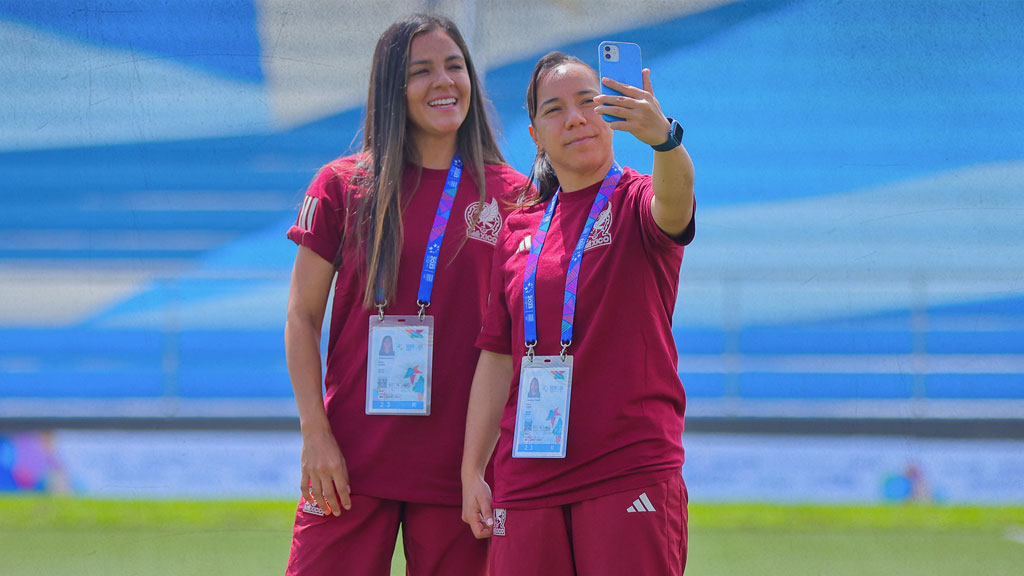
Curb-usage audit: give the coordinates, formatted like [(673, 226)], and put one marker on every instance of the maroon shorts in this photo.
[(641, 531), (361, 541)]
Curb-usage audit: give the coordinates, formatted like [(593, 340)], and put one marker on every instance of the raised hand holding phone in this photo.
[(634, 110)]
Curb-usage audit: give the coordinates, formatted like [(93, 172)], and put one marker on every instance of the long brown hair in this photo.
[(541, 172), (387, 148)]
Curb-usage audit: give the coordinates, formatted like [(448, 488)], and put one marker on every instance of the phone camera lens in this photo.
[(607, 56), (607, 48)]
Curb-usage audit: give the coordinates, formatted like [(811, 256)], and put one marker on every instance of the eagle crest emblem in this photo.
[(484, 224), (601, 233)]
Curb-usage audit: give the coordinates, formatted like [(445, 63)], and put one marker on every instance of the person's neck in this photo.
[(436, 152), (572, 181)]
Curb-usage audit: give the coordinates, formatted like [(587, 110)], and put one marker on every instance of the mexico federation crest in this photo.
[(484, 224), (601, 234)]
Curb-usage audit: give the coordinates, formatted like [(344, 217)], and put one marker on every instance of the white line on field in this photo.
[(1015, 533)]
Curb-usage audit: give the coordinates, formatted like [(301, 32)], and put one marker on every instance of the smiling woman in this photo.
[(438, 93), (408, 223)]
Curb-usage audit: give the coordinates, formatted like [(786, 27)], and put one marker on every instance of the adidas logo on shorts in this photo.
[(641, 504)]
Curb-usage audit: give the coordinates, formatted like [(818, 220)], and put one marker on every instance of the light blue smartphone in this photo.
[(619, 61)]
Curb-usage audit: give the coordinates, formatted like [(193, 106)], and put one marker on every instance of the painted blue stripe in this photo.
[(76, 383), (825, 386), (221, 37), (702, 385), (975, 386), (234, 382), (803, 340)]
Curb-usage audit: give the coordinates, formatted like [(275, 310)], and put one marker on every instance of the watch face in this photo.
[(677, 131), (675, 137)]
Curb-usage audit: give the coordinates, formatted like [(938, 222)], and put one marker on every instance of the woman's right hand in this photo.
[(476, 506), (487, 398), (324, 474)]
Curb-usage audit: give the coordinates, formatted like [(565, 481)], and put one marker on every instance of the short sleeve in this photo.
[(496, 333), (318, 225), (641, 190)]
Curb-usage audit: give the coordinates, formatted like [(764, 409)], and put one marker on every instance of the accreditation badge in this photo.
[(542, 408), (398, 365)]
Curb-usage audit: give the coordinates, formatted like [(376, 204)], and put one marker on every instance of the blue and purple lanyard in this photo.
[(430, 259), (573, 274)]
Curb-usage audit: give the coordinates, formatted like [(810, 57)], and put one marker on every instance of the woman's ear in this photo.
[(536, 142)]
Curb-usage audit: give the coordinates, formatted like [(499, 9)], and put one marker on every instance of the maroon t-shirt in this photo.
[(627, 404), (407, 458)]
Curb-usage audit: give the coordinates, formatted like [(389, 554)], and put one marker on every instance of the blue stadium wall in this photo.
[(860, 205)]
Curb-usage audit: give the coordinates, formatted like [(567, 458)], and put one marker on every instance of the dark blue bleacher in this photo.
[(81, 363), (125, 218), (91, 191), (824, 340), (700, 341), (109, 383), (704, 385), (975, 386), (220, 37), (87, 363), (232, 364), (975, 342), (991, 327), (980, 357), (817, 386)]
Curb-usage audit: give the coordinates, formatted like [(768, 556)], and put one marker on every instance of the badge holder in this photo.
[(399, 365), (542, 409)]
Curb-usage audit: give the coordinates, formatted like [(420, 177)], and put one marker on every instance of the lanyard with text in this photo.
[(430, 258), (545, 382), (572, 278), (400, 350)]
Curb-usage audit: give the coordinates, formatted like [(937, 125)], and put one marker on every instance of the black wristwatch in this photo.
[(675, 137)]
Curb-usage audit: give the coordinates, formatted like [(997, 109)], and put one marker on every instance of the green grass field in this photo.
[(60, 536)]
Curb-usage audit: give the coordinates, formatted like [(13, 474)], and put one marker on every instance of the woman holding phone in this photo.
[(408, 225), (588, 476)]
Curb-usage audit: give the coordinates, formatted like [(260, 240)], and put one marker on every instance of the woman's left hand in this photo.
[(639, 109)]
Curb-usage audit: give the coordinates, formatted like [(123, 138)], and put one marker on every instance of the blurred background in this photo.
[(850, 320)]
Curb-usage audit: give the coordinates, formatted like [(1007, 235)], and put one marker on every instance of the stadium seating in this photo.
[(197, 214)]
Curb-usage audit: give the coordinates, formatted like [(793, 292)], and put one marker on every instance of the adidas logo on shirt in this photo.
[(641, 504)]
